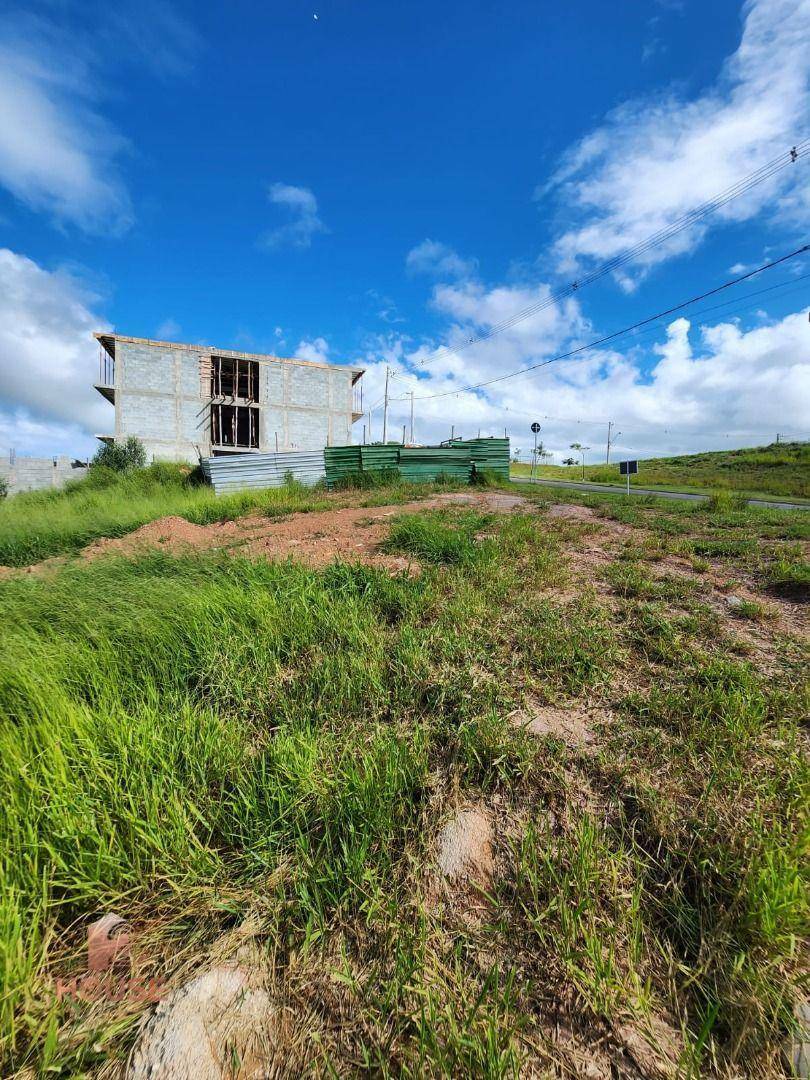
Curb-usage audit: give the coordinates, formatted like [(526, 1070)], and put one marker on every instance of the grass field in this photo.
[(40, 524), (779, 469), (228, 750)]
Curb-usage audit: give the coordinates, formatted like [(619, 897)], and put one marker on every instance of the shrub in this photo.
[(121, 457), (725, 501), (3, 487)]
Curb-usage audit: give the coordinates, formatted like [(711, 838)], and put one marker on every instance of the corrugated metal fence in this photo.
[(234, 472), (461, 461)]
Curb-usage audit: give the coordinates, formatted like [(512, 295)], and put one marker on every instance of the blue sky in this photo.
[(382, 180)]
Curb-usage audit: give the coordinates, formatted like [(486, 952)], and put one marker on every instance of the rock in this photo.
[(654, 1045), (465, 847), (797, 1046), (734, 603), (216, 1026)]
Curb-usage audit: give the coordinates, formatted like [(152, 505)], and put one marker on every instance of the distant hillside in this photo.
[(778, 469)]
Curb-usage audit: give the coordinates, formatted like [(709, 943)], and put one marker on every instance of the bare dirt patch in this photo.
[(169, 532), (571, 512), (353, 533), (573, 726)]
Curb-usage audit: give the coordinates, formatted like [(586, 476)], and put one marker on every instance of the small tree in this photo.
[(3, 487), (569, 461), (121, 457)]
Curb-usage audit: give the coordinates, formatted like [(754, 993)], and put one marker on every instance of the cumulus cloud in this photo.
[(692, 387), (302, 207), (653, 160), (59, 155), (317, 350), (438, 260), (48, 360)]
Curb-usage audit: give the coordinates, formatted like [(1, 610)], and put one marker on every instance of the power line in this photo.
[(628, 329), (736, 305), (741, 187)]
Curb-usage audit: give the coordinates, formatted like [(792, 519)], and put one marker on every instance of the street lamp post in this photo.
[(583, 449)]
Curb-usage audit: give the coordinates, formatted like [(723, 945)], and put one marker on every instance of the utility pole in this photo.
[(385, 406), (777, 438), (452, 432), (411, 417), (370, 436), (403, 434)]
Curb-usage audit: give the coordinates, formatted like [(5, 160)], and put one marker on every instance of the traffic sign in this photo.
[(535, 427), (628, 469)]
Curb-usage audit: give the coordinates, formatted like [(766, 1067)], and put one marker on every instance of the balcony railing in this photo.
[(357, 399), (106, 367)]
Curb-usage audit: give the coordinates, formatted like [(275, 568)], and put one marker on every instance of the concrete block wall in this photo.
[(162, 398), (34, 474), (158, 399)]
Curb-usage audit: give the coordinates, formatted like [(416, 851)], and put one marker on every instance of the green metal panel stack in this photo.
[(491, 455), (458, 460), (341, 462), (422, 464), (380, 457)]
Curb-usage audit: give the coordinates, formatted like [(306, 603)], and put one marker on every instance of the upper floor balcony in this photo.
[(106, 374)]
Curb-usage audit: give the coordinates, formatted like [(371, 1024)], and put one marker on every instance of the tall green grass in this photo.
[(192, 739), (781, 469), (35, 525), (181, 726)]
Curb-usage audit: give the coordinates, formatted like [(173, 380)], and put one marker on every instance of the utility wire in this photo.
[(741, 187), (736, 305), (628, 329)]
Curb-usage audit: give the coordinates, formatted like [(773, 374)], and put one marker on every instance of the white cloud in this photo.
[(30, 437), (302, 206), (690, 388), (48, 360), (317, 350), (438, 260), (59, 155), (653, 160), (169, 330)]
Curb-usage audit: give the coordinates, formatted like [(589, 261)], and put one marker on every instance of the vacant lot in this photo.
[(758, 472), (514, 786)]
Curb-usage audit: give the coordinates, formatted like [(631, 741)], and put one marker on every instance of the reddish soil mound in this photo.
[(169, 532), (349, 533)]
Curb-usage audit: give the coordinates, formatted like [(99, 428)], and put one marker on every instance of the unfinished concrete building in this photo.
[(190, 401)]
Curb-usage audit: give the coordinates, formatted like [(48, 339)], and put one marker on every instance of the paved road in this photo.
[(683, 495)]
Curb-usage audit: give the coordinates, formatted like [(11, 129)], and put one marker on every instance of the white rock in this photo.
[(465, 847), (797, 1047), (199, 1031)]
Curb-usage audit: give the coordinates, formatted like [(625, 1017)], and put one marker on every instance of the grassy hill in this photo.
[(778, 469)]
